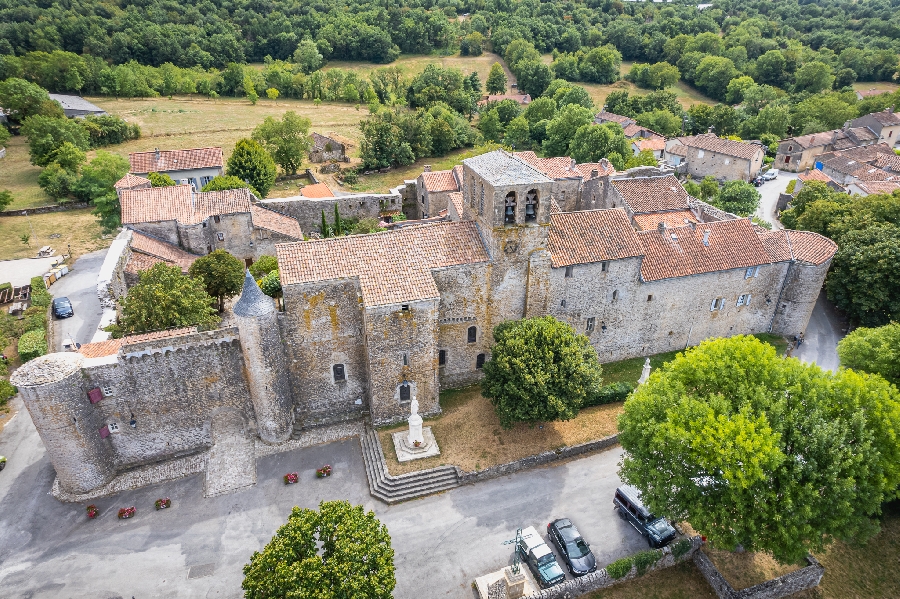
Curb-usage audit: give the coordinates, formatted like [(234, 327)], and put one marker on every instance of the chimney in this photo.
[(706, 238), (691, 224), (661, 227), (890, 109), (426, 168), (711, 130), (157, 154), (594, 173)]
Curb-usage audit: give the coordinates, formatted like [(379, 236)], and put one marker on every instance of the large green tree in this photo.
[(222, 275), (496, 81), (873, 350), (47, 134), (760, 451), (738, 197), (24, 99), (164, 298), (562, 128), (593, 142), (287, 140), (223, 182), (96, 185), (251, 163), (337, 552), (540, 370)]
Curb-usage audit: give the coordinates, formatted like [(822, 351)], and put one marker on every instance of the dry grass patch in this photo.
[(743, 570), (682, 581), (882, 86), (412, 65), (470, 436), (78, 228), (20, 177)]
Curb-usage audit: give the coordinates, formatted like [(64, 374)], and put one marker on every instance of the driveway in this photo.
[(825, 329), (80, 286), (197, 548), (770, 191)]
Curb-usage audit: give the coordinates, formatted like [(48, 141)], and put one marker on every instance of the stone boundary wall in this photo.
[(46, 209), (308, 211), (536, 460), (783, 200), (111, 282), (188, 341), (792, 582), (602, 580)]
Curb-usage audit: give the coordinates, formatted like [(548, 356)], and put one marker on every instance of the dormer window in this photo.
[(509, 215), (531, 205)]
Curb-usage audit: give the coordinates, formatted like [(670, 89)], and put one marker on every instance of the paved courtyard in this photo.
[(197, 548)]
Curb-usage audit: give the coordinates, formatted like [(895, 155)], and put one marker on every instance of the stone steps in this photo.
[(394, 489)]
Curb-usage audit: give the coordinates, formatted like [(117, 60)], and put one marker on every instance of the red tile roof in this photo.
[(814, 175), (520, 98), (677, 218), (264, 218), (316, 190), (456, 198), (175, 160), (147, 251), (438, 181), (811, 247), (603, 168), (650, 143), (776, 244), (886, 117), (719, 145), (681, 252), (392, 267), (652, 194), (110, 347), (678, 149), (181, 204), (130, 181), (604, 116), (873, 187), (591, 236)]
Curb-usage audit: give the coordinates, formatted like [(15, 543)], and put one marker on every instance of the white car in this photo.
[(770, 175)]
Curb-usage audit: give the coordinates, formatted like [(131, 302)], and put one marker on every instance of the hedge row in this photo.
[(32, 344), (39, 294), (609, 394)]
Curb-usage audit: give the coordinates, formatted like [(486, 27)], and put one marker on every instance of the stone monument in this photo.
[(645, 373), (419, 442)]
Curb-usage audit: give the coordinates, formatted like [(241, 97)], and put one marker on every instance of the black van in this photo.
[(627, 501)]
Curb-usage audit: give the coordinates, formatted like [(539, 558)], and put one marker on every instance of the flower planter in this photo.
[(92, 511), (323, 471), (126, 512), (162, 504), (291, 479)]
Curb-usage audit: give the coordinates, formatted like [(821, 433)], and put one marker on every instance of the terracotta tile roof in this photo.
[(130, 181), (149, 250), (650, 143), (437, 181), (632, 130), (678, 149), (889, 162), (179, 203), (392, 267), (811, 140), (264, 218), (719, 145), (872, 187), (110, 347), (776, 244), (520, 98), (603, 168), (606, 117), (867, 172), (560, 167), (528, 156), (316, 190), (175, 160), (811, 247), (501, 168), (868, 93), (814, 175), (678, 218), (458, 175), (681, 252), (886, 117), (591, 236), (652, 194), (456, 198)]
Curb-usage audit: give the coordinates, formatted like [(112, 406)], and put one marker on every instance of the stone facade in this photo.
[(308, 211)]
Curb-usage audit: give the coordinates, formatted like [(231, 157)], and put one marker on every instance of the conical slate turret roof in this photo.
[(253, 301)]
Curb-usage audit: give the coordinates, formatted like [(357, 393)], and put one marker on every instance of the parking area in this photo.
[(769, 192), (80, 286)]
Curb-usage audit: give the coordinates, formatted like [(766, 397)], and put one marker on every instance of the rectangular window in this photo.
[(590, 324), (220, 236), (650, 298), (442, 357), (404, 392), (471, 335), (479, 361), (747, 301), (749, 273), (113, 427), (405, 359), (216, 218), (717, 304), (339, 374), (604, 266), (570, 272), (107, 390), (741, 299), (404, 307)]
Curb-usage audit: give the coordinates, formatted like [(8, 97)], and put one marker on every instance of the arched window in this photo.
[(479, 361), (509, 214), (472, 335), (531, 205), (339, 374)]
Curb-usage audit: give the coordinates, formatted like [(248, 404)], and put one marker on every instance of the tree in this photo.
[(70, 157), (263, 266), (873, 350), (271, 285), (287, 140), (250, 90), (22, 98), (164, 298), (813, 77), (162, 180), (738, 197), (518, 135), (56, 181), (340, 551), (763, 451), (540, 109), (97, 185), (713, 75), (496, 81), (6, 198), (770, 68), (534, 77), (539, 370), (734, 93), (338, 224), (250, 162), (642, 158), (489, 125), (47, 134), (272, 93), (601, 65), (662, 121), (593, 142), (223, 182), (323, 226), (4, 135), (307, 56), (561, 130), (222, 275), (709, 189)]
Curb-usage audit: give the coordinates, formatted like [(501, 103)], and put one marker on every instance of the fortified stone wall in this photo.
[(308, 211), (795, 304), (464, 303), (166, 230), (701, 163), (322, 327), (567, 192)]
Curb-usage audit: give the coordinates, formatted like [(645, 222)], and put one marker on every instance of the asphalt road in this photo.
[(80, 286), (197, 548), (822, 334), (769, 192)]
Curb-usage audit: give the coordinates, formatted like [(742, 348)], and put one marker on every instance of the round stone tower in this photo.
[(54, 392), (266, 367)]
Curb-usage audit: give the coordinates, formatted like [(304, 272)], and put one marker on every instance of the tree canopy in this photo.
[(336, 552), (540, 370), (160, 180), (770, 453), (164, 298), (496, 81), (222, 275), (287, 140), (251, 163), (873, 350), (738, 197)]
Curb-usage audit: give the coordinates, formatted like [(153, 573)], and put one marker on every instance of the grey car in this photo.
[(576, 552)]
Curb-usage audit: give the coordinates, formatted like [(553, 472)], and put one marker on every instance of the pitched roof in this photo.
[(678, 149), (180, 203), (810, 247), (866, 172), (591, 236), (650, 143), (130, 181), (812, 140), (678, 218), (681, 252), (868, 93), (776, 244), (889, 162), (520, 98), (111, 347), (316, 190), (75, 103), (437, 181), (147, 251), (175, 160), (652, 194), (814, 175), (559, 167), (253, 302), (603, 168), (872, 187), (719, 145), (501, 168), (264, 218), (456, 198), (605, 117), (886, 117), (392, 267)]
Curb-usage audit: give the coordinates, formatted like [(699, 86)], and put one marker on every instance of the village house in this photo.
[(709, 155), (859, 164), (195, 167), (815, 175), (76, 106), (326, 149), (799, 153), (640, 138), (433, 189), (522, 99), (867, 188), (885, 124)]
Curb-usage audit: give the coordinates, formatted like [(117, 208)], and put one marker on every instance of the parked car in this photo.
[(534, 551), (770, 175), (657, 531), (576, 552), (62, 308), (757, 181), (2, 462)]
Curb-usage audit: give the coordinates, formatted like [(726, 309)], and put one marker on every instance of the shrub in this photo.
[(680, 548), (7, 391), (790, 187), (645, 559), (619, 568), (32, 344), (39, 294), (35, 318), (263, 266), (609, 394)]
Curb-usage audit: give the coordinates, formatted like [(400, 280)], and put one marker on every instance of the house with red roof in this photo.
[(195, 167)]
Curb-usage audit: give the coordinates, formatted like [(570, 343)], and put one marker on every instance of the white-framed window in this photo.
[(753, 271), (743, 299), (590, 324), (113, 427), (107, 390), (220, 236), (717, 304)]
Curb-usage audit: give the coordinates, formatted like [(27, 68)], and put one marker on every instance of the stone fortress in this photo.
[(372, 321)]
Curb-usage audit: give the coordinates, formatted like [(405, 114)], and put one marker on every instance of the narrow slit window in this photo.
[(442, 357), (590, 324), (472, 335), (570, 272), (604, 266), (650, 298), (615, 295)]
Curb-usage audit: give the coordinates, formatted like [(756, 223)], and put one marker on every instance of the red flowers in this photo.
[(162, 504), (126, 512), (92, 511), (323, 471), (290, 479)]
